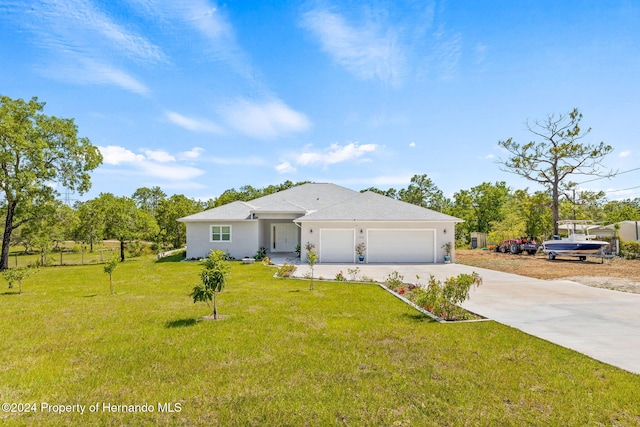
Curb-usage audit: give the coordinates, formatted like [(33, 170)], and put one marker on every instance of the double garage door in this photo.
[(383, 245)]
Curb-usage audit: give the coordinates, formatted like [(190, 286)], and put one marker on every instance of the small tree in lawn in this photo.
[(12, 275), (312, 258), (108, 268), (212, 280)]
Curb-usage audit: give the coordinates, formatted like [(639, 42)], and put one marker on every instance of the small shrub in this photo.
[(354, 273), (261, 254), (630, 250), (340, 277), (136, 249), (267, 261), (394, 280), (443, 299), (286, 270)]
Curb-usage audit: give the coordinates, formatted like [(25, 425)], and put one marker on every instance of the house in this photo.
[(332, 218)]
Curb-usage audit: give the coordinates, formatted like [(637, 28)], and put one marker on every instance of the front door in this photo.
[(284, 237)]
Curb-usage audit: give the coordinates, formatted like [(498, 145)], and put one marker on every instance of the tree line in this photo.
[(40, 153)]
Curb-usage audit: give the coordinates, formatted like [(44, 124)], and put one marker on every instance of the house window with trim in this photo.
[(220, 233)]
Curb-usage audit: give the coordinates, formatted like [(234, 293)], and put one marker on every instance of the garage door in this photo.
[(401, 246), (337, 245)]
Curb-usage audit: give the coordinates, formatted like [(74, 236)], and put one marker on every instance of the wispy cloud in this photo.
[(625, 153), (192, 124), (86, 44), (82, 70), (369, 51), (336, 153), (266, 120), (215, 35)]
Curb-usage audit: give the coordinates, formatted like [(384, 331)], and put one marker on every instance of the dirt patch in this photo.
[(615, 273)]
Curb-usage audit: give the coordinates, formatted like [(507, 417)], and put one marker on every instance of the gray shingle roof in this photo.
[(370, 206), (323, 202), (231, 211), (299, 200)]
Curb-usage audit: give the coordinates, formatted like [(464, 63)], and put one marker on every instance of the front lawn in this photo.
[(343, 353)]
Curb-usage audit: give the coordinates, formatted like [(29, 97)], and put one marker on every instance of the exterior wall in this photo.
[(244, 239), (444, 232), (628, 231)]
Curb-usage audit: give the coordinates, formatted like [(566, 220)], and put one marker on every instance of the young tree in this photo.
[(312, 259), (12, 275), (556, 156), (37, 150), (109, 267), (212, 280)]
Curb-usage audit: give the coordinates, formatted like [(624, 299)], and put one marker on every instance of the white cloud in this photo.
[(285, 167), (196, 125), (490, 156), (371, 51), (412, 144), (159, 156), (335, 154), (153, 163), (192, 154), (625, 153), (115, 155), (267, 120)]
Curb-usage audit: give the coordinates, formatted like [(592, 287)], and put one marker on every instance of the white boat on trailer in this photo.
[(578, 243)]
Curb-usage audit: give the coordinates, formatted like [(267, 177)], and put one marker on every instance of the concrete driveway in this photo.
[(599, 323)]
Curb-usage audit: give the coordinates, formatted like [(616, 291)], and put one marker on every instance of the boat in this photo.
[(577, 244)]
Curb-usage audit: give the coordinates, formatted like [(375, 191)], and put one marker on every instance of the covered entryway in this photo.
[(337, 245), (401, 245), (284, 237)]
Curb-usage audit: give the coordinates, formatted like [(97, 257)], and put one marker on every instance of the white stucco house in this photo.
[(332, 218)]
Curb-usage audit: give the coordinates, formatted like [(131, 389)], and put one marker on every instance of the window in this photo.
[(220, 233)]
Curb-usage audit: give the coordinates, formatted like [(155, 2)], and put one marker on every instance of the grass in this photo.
[(73, 254), (343, 354)]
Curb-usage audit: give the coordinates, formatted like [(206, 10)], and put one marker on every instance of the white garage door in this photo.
[(401, 245), (337, 245)]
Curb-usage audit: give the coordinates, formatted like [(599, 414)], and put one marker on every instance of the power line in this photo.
[(608, 177), (624, 189)]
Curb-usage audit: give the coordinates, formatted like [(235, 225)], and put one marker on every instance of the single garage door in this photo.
[(337, 245), (401, 245)]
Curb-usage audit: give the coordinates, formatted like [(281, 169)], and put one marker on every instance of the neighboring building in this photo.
[(628, 231), (332, 218)]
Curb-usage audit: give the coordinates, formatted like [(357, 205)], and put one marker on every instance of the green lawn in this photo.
[(344, 353)]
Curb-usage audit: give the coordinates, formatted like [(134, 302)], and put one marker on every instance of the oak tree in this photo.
[(37, 153)]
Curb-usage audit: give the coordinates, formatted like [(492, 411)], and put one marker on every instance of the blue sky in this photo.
[(198, 96)]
